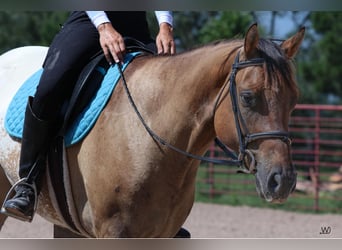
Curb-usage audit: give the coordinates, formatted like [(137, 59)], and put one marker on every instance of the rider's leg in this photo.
[(36, 136), (70, 50)]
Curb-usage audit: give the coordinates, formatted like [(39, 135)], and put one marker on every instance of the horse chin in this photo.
[(269, 198)]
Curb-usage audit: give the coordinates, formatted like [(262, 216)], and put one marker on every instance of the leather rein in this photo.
[(244, 138)]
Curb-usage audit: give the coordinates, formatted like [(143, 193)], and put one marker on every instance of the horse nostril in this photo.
[(280, 183), (275, 182), (277, 178)]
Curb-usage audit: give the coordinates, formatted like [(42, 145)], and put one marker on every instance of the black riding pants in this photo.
[(70, 50)]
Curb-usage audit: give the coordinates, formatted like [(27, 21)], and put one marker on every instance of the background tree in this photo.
[(225, 25), (321, 65), (188, 25), (194, 28), (28, 28)]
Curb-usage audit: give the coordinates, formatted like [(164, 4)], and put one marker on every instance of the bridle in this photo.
[(244, 137)]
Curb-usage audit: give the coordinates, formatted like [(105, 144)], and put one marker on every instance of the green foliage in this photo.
[(224, 25), (28, 28), (188, 25), (193, 28), (322, 66)]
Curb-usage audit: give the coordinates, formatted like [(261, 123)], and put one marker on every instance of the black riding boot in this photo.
[(183, 233), (36, 136)]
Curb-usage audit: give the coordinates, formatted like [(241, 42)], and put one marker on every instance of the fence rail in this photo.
[(316, 132)]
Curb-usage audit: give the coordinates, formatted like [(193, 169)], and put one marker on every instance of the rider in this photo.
[(81, 37)]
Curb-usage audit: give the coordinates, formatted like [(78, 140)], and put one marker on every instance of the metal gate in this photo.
[(316, 131)]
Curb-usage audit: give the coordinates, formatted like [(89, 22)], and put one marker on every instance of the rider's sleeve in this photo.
[(164, 17), (98, 17)]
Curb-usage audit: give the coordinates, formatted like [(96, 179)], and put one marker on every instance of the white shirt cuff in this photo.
[(164, 17), (98, 17)]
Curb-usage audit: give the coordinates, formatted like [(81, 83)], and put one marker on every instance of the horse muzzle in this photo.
[(277, 184)]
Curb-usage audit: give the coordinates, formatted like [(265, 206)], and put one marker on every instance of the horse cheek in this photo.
[(224, 125)]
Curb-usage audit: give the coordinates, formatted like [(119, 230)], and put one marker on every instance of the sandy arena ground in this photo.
[(219, 221)]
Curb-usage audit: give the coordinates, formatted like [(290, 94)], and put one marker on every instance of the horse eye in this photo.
[(247, 98)]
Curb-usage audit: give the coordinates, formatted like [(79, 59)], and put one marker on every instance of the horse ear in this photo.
[(251, 41), (291, 45)]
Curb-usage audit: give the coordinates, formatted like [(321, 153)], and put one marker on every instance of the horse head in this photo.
[(262, 92)]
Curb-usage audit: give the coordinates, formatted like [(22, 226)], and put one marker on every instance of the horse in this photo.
[(134, 174)]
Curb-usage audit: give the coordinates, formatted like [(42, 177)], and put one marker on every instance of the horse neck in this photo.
[(198, 77)]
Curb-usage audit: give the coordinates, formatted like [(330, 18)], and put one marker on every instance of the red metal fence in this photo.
[(316, 131)]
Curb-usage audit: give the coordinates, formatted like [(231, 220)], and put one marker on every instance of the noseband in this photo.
[(244, 138)]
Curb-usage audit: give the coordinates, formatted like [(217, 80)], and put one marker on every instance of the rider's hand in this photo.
[(164, 40), (112, 43)]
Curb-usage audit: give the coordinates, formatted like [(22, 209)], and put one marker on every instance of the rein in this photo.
[(244, 140)]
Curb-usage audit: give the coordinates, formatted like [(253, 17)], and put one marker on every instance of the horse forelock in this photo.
[(279, 68)]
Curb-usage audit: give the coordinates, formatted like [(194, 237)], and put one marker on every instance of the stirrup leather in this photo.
[(11, 194)]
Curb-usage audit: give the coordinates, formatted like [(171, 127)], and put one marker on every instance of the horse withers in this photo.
[(124, 181)]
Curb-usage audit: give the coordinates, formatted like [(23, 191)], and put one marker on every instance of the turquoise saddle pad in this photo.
[(15, 115)]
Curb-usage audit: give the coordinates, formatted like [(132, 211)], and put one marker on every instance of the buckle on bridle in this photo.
[(247, 157)]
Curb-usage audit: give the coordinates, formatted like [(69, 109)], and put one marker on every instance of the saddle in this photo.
[(94, 73), (86, 87)]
